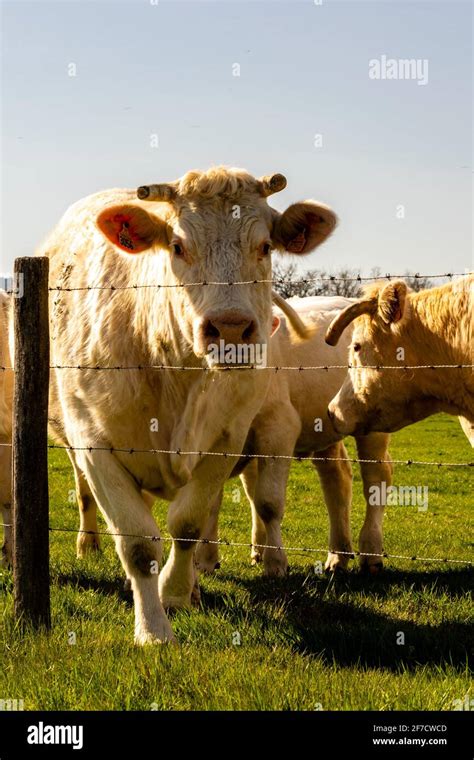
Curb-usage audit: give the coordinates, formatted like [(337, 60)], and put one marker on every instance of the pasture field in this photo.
[(307, 642)]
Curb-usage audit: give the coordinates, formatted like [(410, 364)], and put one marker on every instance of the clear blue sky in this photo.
[(167, 69)]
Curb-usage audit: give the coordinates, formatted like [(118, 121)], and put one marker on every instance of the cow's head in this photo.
[(217, 227), (371, 399)]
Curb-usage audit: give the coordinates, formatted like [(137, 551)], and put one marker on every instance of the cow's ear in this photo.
[(303, 226), (276, 322), (131, 228), (391, 303)]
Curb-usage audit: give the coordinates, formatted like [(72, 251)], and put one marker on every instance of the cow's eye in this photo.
[(356, 346), (265, 248), (177, 248)]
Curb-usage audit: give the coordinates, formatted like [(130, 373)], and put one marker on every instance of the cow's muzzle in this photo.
[(341, 425), (231, 327)]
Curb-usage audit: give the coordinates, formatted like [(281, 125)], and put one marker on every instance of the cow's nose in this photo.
[(231, 327)]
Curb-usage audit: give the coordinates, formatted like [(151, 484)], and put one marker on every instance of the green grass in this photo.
[(307, 642)]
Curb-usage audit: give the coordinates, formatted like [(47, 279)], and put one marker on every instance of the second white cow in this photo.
[(293, 421)]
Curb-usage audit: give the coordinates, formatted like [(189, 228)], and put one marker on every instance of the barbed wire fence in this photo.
[(286, 282), (282, 368), (249, 457), (30, 444), (247, 545)]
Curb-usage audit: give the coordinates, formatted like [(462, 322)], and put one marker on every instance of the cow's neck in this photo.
[(156, 316), (437, 332)]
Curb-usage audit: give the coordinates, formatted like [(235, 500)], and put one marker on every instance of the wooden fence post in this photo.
[(30, 443)]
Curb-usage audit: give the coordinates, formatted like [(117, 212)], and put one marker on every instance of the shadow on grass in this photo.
[(455, 582), (106, 586), (321, 618)]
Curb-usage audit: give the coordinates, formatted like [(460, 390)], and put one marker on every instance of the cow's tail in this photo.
[(300, 329)]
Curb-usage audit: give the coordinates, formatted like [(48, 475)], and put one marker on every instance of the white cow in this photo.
[(210, 227), (293, 421), (6, 401)]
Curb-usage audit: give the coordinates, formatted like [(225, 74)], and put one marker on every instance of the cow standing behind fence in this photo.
[(393, 325), (293, 420), (214, 226)]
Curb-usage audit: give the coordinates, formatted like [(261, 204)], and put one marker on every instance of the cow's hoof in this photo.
[(207, 564), (127, 585), (172, 603), (371, 568), (171, 598), (336, 570), (208, 569), (276, 566), (336, 563), (87, 543), (255, 557), (162, 635)]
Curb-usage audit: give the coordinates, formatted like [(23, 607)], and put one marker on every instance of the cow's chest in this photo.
[(148, 418)]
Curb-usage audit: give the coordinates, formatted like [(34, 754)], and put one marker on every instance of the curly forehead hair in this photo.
[(220, 180)]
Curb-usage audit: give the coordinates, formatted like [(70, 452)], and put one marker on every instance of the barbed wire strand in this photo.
[(279, 281), (247, 545), (301, 368), (249, 457), (293, 457)]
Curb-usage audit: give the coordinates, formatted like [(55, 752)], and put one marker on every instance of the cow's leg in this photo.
[(336, 482), (207, 554), (187, 518), (259, 532), (265, 487), (120, 500), (268, 506), (276, 433), (6, 557), (149, 500), (373, 446), (468, 428), (88, 539)]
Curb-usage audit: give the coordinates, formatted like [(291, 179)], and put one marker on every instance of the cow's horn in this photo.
[(272, 184), (165, 192), (345, 317)]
